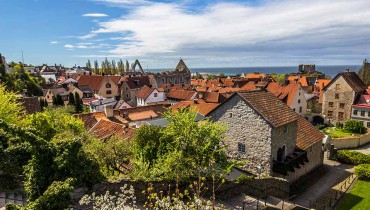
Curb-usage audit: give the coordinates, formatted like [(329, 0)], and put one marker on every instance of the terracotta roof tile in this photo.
[(143, 115), (298, 79), (88, 119), (144, 92), (307, 134), (93, 81), (255, 75), (137, 81), (105, 129), (352, 79), (181, 94), (202, 107)]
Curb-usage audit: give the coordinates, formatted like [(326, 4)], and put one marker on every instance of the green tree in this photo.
[(88, 65), (96, 67), (11, 111), (221, 74), (60, 101), (354, 126), (78, 103), (71, 99), (55, 101)]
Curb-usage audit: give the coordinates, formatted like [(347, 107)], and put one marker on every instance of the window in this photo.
[(355, 112), (155, 94), (341, 105), (286, 129), (126, 89), (330, 113), (340, 115), (300, 109), (108, 85), (368, 114), (363, 113), (126, 95), (368, 124), (336, 96), (331, 104), (294, 109), (241, 148), (337, 86), (230, 115), (299, 101), (109, 92)]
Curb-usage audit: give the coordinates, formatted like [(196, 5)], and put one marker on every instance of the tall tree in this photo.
[(120, 67), (60, 100), (10, 108), (364, 72), (96, 67), (71, 99), (114, 67), (127, 66), (78, 103), (88, 65)]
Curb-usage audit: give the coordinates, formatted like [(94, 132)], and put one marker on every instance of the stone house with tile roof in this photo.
[(176, 95), (130, 86), (148, 95), (340, 94), (266, 132)]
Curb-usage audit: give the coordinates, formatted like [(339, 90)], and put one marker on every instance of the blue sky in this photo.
[(210, 33)]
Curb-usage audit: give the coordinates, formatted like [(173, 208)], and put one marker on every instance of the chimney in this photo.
[(346, 70), (108, 110)]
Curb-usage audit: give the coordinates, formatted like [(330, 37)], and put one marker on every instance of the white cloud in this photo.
[(69, 46), (54, 42), (95, 15), (272, 28)]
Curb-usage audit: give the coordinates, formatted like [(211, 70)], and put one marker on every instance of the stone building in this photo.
[(339, 96), (264, 131), (361, 110), (106, 86), (180, 75)]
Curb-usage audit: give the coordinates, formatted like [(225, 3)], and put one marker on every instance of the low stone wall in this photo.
[(351, 142), (276, 187)]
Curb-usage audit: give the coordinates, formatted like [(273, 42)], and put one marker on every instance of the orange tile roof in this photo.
[(93, 81), (307, 134), (288, 93), (144, 92), (300, 79), (202, 107), (321, 84), (213, 97), (144, 115), (255, 75), (105, 129), (229, 90), (181, 94)]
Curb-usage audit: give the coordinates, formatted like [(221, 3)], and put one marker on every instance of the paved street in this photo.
[(363, 149), (334, 172)]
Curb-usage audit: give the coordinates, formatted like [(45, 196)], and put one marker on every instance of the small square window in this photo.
[(241, 148), (362, 113), (299, 101), (341, 105), (340, 115), (300, 109), (155, 94), (230, 115), (337, 86), (368, 114), (331, 104), (330, 114), (355, 112), (109, 92), (336, 96), (368, 124)]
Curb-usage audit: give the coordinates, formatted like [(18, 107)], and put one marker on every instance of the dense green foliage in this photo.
[(21, 80), (11, 111), (44, 152), (280, 78), (78, 103), (352, 157), (363, 171), (364, 73), (184, 148), (355, 126), (71, 99)]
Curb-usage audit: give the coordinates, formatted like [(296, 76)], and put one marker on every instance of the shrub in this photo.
[(352, 157), (321, 126), (354, 126), (363, 171)]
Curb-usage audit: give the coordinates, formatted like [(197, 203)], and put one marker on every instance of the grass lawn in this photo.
[(357, 198), (337, 132)]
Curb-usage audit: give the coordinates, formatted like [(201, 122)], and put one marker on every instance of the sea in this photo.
[(330, 71)]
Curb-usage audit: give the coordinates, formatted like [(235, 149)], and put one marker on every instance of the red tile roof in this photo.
[(145, 92), (202, 107), (298, 79), (137, 81), (181, 94), (143, 115), (307, 134), (105, 129), (93, 81), (255, 75)]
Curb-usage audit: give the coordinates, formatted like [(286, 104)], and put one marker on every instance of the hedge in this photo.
[(352, 157), (363, 171)]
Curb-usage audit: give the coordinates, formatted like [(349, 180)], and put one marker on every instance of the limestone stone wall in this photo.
[(315, 157), (247, 127), (281, 137), (346, 96)]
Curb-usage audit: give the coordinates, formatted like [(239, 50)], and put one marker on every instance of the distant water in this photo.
[(330, 71)]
